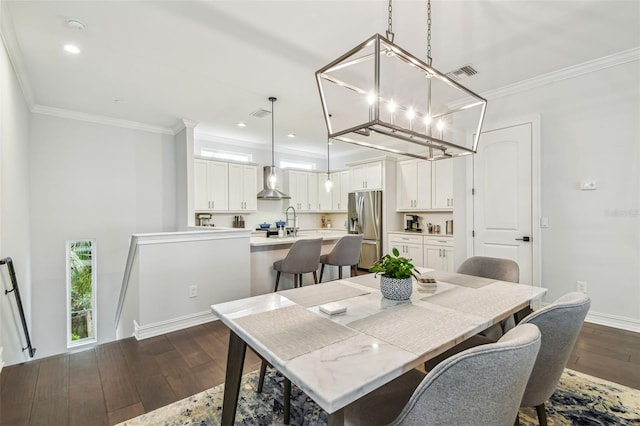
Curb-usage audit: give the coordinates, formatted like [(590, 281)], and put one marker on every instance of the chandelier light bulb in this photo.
[(371, 98), (392, 106), (411, 114), (426, 120), (440, 125)]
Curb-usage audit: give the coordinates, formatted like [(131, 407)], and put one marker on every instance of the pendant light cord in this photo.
[(429, 59), (390, 33), (273, 145)]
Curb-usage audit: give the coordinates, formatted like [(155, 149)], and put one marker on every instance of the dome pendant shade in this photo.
[(382, 97)]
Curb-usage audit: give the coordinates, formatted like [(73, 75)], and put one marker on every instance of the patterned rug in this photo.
[(579, 400)]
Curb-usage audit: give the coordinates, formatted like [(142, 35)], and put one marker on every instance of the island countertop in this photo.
[(325, 234)]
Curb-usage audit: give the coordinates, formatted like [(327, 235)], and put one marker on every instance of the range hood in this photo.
[(269, 193)]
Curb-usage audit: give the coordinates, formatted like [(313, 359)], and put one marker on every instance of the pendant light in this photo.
[(385, 98), (328, 185), (270, 178)]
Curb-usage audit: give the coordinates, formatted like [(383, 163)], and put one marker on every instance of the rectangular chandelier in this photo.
[(379, 96)]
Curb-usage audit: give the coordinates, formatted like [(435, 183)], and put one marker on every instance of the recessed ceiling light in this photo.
[(241, 124), (75, 25), (121, 101), (291, 135), (330, 143), (71, 48)]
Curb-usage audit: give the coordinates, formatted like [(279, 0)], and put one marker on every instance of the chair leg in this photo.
[(315, 277), (295, 280), (287, 400), (321, 271), (517, 422), (263, 370), (339, 272), (277, 281), (354, 270), (542, 415)]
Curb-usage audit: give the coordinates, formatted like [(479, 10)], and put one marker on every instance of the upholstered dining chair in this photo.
[(303, 258), (497, 269), (559, 323), (480, 386), (346, 252)]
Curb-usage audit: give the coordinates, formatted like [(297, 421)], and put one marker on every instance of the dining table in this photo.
[(338, 358)]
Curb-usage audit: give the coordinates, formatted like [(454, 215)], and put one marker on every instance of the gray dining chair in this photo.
[(346, 252), (497, 269), (480, 386), (303, 258), (559, 323)]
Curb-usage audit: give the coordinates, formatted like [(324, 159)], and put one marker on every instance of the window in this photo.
[(81, 292), (225, 155), (290, 164)]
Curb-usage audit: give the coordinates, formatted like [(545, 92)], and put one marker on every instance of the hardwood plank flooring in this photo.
[(119, 380)]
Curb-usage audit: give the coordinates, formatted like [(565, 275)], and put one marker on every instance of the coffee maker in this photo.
[(203, 219), (413, 223)]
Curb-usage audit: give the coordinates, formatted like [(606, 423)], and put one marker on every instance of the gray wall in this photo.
[(92, 181), (14, 208)]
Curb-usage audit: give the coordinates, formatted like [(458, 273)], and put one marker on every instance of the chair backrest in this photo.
[(480, 386), (491, 267), (303, 256), (559, 324), (346, 252)]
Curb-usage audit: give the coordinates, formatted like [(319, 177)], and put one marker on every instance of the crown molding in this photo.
[(182, 124), (100, 119), (11, 46), (594, 65)]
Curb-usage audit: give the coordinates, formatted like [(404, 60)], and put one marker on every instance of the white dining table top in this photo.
[(337, 359)]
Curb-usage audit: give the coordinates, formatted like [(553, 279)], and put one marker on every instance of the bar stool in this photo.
[(346, 252), (303, 257)]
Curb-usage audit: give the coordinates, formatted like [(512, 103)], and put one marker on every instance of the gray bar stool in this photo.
[(346, 252), (303, 257)]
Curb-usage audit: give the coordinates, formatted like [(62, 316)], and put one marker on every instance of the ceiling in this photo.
[(216, 62)]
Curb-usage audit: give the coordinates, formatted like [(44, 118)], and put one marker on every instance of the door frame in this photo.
[(536, 206)]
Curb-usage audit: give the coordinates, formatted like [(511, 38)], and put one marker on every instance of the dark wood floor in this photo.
[(120, 380)]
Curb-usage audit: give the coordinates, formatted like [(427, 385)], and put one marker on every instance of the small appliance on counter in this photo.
[(449, 227), (238, 222), (204, 219), (413, 223)]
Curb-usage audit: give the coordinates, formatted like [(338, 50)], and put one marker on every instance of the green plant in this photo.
[(394, 266)]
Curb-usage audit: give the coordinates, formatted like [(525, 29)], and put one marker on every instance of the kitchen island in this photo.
[(265, 251)]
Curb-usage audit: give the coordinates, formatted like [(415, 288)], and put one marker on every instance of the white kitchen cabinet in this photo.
[(438, 253), (442, 185), (366, 176), (413, 185), (302, 187), (340, 192), (409, 246), (243, 187), (211, 185)]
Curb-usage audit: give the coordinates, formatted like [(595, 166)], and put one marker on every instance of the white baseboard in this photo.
[(614, 321), (155, 329)]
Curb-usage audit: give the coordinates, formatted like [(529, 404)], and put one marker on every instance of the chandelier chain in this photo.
[(390, 23), (429, 59)]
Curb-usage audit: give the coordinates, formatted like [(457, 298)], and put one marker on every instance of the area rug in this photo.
[(579, 400)]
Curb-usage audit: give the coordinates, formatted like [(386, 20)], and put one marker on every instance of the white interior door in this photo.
[(502, 202)]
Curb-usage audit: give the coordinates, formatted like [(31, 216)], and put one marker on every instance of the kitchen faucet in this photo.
[(295, 219)]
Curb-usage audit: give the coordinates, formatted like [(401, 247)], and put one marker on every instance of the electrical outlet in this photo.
[(581, 286), (193, 291)]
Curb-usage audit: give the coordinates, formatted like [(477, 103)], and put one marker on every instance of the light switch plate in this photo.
[(544, 222), (588, 185)]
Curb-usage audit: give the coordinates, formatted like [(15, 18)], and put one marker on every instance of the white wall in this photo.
[(97, 182), (590, 129), (14, 209)]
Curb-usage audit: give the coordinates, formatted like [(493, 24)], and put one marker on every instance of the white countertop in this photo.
[(427, 234), (325, 234)]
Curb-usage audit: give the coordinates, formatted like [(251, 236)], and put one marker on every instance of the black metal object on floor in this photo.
[(14, 284)]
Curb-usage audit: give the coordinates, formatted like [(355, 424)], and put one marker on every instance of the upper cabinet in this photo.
[(366, 176), (243, 187), (442, 187), (424, 185), (211, 188), (340, 191), (414, 185)]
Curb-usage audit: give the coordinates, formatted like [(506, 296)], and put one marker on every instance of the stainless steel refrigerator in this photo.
[(364, 216)]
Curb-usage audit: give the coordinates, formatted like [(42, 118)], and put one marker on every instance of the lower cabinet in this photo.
[(409, 246), (438, 253)]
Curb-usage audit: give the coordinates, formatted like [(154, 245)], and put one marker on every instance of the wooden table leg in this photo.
[(337, 418), (235, 361)]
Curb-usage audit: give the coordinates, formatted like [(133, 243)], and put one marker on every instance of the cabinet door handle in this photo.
[(213, 204)]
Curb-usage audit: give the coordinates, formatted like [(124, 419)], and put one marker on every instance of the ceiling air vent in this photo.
[(261, 113), (465, 70)]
